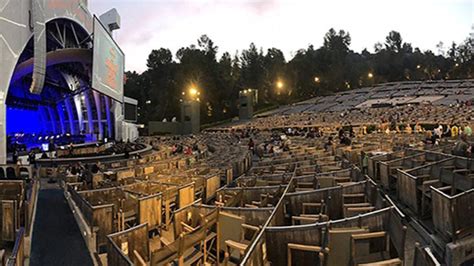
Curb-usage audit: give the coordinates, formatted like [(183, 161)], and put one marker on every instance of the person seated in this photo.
[(328, 144), (341, 133), (74, 170), (346, 141), (447, 132), (462, 147), (188, 151), (454, 131), (86, 177), (94, 168), (397, 129), (418, 128), (438, 131), (351, 131), (251, 144), (32, 158), (435, 138), (467, 130)]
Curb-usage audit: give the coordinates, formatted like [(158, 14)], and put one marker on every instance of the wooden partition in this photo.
[(277, 239), (252, 216), (374, 162), (424, 256), (245, 195), (82, 151), (356, 174), (410, 181), (213, 182), (124, 174), (150, 210), (100, 218), (331, 196), (190, 215), (450, 218), (263, 180), (12, 208), (186, 195), (31, 198), (388, 168), (176, 249), (407, 190), (257, 255), (397, 231), (129, 247)]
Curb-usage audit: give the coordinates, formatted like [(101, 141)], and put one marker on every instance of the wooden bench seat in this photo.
[(389, 262), (354, 198), (361, 250), (322, 252), (352, 211)]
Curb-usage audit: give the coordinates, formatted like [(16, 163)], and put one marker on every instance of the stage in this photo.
[(62, 78)]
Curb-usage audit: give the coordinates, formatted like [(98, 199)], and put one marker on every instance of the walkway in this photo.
[(56, 236)]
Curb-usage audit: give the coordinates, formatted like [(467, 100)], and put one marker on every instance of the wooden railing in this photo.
[(18, 253)]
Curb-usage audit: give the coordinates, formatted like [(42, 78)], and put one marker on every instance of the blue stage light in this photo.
[(21, 120)]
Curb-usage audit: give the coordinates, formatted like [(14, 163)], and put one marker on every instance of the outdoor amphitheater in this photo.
[(392, 196), (379, 175)]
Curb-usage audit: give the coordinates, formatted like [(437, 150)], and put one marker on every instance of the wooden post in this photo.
[(139, 258), (205, 240), (218, 237), (181, 250), (289, 256), (122, 220), (167, 208)]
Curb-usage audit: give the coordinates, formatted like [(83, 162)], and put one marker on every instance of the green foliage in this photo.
[(331, 68)]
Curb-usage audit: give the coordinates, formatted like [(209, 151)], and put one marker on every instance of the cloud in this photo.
[(262, 7), (286, 24)]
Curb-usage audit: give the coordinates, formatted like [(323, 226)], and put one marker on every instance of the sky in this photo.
[(289, 25)]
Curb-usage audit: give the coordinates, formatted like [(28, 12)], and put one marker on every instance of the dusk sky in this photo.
[(285, 24)]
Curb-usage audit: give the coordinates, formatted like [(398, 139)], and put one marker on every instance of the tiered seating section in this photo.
[(386, 197), (437, 92), (338, 205)]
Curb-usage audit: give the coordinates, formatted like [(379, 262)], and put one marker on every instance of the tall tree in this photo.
[(312, 71), (393, 42)]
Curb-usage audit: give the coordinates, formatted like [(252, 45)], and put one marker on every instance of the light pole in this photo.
[(190, 110), (279, 87)]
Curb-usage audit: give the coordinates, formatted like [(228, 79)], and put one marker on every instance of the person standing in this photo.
[(467, 130)]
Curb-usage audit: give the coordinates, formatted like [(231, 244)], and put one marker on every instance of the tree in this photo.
[(337, 41), (393, 42), (312, 71), (252, 71), (159, 58)]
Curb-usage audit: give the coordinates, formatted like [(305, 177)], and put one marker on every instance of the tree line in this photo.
[(333, 67)]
